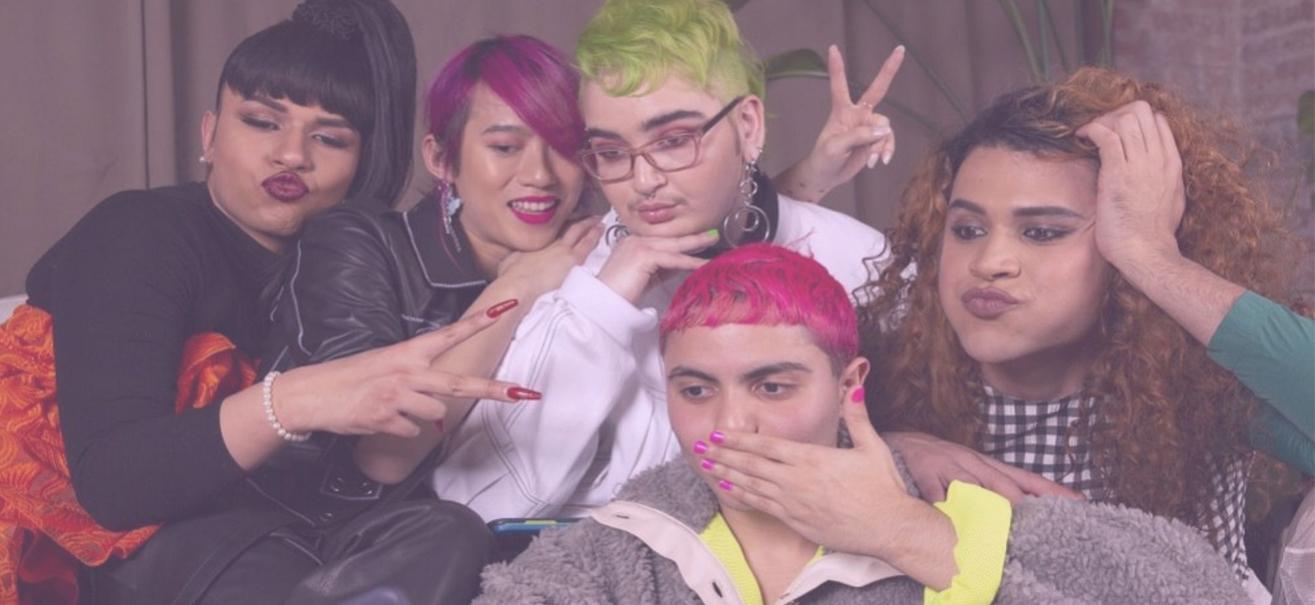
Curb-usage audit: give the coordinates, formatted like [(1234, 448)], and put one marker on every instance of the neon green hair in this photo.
[(635, 44)]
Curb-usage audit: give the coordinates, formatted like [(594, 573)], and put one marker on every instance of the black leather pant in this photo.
[(414, 552)]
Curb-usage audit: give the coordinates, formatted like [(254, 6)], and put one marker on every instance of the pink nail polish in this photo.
[(708, 464), (717, 437), (726, 485), (858, 395), (700, 447)]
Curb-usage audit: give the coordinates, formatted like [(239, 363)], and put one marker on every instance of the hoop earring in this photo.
[(747, 218), (614, 234), (451, 203)]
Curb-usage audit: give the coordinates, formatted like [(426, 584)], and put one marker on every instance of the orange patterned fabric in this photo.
[(45, 532)]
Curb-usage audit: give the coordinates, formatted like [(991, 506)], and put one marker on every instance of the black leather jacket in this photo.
[(358, 280)]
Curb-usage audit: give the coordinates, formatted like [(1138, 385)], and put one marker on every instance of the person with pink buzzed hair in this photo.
[(761, 344)]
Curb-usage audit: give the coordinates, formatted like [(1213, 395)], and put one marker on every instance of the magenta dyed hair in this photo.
[(535, 79), (762, 284)]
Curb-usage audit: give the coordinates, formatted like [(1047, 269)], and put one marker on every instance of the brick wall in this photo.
[(1248, 59)]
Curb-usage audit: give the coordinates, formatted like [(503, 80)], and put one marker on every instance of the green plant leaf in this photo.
[(797, 63), (1015, 17), (806, 63), (1306, 112), (916, 57)]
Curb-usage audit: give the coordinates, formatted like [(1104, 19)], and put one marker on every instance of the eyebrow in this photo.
[(512, 128), (775, 368), (599, 133), (659, 121), (687, 372), (1030, 211), (755, 374), (320, 121), (648, 125)]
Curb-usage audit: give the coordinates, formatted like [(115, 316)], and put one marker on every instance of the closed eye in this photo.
[(332, 141), (609, 154), (676, 141), (258, 123)]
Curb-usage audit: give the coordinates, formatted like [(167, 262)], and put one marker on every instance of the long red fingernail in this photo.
[(520, 393), (858, 395), (726, 485), (717, 437), (502, 307)]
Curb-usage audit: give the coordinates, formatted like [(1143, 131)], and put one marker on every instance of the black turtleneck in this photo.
[(141, 273)]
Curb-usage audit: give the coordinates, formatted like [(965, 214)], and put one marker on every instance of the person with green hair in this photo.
[(674, 124)]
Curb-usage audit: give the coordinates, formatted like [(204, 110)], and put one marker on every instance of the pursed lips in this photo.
[(285, 187), (988, 303)]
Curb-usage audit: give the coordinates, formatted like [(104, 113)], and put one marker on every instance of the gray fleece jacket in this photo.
[(1059, 552)]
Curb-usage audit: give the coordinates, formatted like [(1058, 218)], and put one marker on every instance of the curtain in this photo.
[(108, 95)]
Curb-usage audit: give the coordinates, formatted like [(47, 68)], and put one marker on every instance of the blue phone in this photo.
[(512, 536)]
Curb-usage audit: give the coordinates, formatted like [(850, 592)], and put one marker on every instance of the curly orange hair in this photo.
[(1166, 410)]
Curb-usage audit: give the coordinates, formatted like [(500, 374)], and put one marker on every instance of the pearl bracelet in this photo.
[(267, 391)]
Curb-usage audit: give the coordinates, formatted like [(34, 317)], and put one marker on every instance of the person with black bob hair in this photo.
[(158, 468)]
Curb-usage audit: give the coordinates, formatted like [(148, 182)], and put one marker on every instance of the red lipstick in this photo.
[(988, 303), (535, 209), (285, 187)]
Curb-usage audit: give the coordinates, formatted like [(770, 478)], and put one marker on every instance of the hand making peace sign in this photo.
[(853, 135)]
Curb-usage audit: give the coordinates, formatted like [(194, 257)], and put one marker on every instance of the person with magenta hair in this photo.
[(503, 226), (156, 469), (763, 341), (674, 127)]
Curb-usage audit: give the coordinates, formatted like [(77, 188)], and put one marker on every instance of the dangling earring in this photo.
[(746, 217), (450, 203)]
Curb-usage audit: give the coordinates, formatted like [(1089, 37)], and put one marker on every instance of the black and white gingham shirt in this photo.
[(1031, 435)]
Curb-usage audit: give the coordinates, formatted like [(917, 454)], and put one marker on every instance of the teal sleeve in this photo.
[(1275, 435), (1271, 350)]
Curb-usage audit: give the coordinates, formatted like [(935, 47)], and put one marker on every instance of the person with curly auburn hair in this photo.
[(1089, 254)]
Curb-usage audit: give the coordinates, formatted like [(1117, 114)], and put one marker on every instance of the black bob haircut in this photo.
[(355, 58)]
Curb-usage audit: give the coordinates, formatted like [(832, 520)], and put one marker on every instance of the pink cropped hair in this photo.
[(531, 76), (763, 284)]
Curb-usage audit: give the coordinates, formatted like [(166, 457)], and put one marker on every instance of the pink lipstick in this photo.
[(534, 210), (285, 187), (988, 303)]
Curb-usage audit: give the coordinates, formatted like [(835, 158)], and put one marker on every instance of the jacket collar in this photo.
[(666, 507), (445, 258)]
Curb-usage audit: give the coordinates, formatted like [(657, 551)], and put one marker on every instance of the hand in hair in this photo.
[(1140, 201), (935, 463), (637, 259), (852, 136), (1139, 192), (849, 500)]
